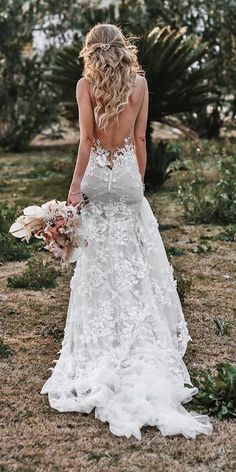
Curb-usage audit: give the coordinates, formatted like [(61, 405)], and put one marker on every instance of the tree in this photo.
[(27, 103)]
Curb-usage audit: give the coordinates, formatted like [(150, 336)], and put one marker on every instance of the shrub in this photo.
[(198, 205), (159, 169), (5, 350), (38, 274), (174, 251), (201, 248), (213, 202), (229, 234), (217, 393), (7, 216), (225, 192), (11, 249)]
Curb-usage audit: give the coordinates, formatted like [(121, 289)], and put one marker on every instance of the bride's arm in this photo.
[(140, 132), (86, 126)]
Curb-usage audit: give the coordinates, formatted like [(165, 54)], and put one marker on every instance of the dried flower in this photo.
[(54, 222)]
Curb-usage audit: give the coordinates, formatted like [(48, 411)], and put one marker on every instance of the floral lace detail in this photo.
[(122, 180)]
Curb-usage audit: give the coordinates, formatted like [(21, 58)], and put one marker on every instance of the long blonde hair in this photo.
[(110, 67)]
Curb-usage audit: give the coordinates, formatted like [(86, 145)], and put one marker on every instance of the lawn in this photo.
[(37, 438)]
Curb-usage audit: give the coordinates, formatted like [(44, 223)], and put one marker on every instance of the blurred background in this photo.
[(188, 50)]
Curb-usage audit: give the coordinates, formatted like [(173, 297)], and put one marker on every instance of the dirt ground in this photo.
[(36, 438)]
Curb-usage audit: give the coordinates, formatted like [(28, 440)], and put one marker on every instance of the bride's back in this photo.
[(114, 135)]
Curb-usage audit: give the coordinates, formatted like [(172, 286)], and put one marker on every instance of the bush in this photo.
[(159, 169), (38, 274), (5, 350), (225, 192), (174, 251), (217, 393), (229, 234), (11, 249), (213, 202), (7, 216)]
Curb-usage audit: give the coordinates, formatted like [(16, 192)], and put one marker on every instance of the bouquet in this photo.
[(54, 222)]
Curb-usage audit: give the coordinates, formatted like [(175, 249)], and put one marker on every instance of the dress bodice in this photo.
[(113, 174)]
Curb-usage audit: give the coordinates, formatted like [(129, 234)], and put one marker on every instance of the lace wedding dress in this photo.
[(125, 333)]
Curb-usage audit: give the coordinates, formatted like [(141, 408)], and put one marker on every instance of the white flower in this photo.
[(19, 230), (34, 211)]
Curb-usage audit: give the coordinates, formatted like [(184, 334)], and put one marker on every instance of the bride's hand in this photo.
[(75, 200)]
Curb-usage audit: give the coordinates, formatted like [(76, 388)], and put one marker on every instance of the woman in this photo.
[(125, 332)]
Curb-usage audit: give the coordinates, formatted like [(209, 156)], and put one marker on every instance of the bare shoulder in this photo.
[(140, 81), (81, 88)]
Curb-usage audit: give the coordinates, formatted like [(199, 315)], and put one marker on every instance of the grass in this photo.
[(184, 283), (222, 327), (37, 275), (37, 438)]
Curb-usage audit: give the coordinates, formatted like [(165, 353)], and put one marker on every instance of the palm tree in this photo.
[(178, 72), (65, 71), (176, 66)]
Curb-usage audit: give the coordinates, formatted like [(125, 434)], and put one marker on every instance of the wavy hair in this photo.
[(110, 67)]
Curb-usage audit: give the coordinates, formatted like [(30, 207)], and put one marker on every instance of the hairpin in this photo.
[(105, 46)]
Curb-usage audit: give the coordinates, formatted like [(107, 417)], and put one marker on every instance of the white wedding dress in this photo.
[(125, 333)]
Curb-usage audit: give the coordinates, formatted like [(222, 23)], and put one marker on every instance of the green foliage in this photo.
[(174, 251), (11, 249), (26, 100), (201, 248), (228, 234), (5, 350), (168, 56), (222, 327), (225, 192), (184, 283), (161, 156), (217, 393), (7, 216), (65, 72), (213, 202), (198, 204), (37, 275)]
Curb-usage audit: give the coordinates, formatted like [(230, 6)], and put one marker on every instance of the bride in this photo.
[(125, 333)]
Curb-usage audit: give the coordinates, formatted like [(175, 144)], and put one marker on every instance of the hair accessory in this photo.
[(105, 46)]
